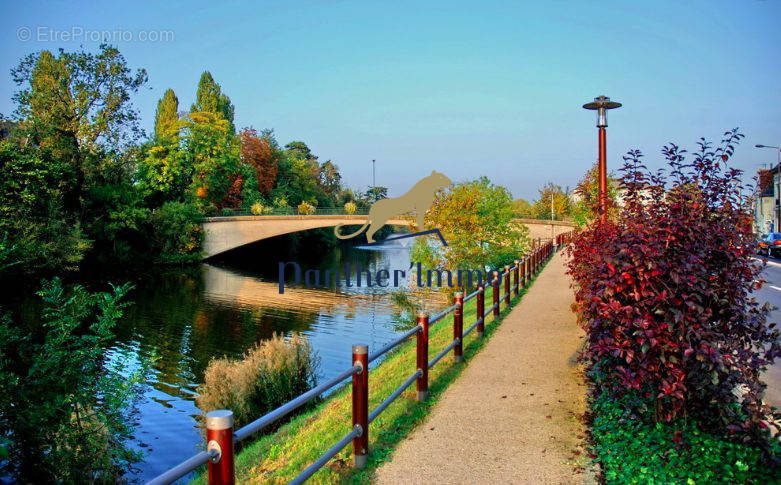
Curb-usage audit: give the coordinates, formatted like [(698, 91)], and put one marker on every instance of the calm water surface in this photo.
[(187, 317)]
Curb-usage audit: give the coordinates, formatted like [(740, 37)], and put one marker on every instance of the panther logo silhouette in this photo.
[(418, 199)]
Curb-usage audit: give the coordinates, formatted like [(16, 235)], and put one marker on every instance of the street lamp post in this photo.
[(374, 175), (776, 193), (601, 104)]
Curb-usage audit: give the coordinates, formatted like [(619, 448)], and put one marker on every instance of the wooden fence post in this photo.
[(458, 326), (422, 342), (480, 311), (361, 404), (507, 286), (495, 284)]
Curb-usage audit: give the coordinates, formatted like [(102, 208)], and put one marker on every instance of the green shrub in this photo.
[(631, 449), (64, 404), (270, 374), (176, 232), (350, 207), (256, 209)]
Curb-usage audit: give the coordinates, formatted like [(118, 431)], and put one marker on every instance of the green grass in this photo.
[(280, 456)]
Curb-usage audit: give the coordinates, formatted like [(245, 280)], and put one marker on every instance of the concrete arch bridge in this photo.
[(225, 233)]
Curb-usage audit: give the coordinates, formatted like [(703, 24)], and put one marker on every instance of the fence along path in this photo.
[(221, 437), (513, 416)]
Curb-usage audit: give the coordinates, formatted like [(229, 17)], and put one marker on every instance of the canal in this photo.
[(187, 316)]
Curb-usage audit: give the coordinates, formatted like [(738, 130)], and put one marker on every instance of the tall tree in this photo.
[(209, 98), (167, 116), (80, 96)]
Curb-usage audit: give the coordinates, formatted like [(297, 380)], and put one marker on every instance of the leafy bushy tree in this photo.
[(476, 219), (585, 208), (553, 203), (523, 209), (258, 152)]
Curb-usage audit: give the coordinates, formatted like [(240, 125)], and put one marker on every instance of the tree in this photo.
[(39, 234), (300, 150), (330, 180), (373, 194), (209, 98), (256, 151), (552, 204), (79, 96), (523, 209), (214, 154), (167, 116), (476, 219), (586, 206)]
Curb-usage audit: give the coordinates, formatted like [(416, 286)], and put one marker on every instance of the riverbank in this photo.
[(281, 456)]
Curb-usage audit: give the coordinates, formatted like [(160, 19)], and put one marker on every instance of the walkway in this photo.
[(514, 415)]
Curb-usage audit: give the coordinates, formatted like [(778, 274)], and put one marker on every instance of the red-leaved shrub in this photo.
[(664, 292)]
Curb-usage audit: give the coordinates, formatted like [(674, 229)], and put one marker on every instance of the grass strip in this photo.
[(280, 456)]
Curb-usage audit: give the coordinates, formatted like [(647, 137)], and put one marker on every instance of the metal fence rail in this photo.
[(219, 424)]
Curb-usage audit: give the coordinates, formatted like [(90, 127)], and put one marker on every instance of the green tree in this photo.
[(552, 204), (523, 209), (209, 98), (39, 235), (373, 194), (167, 116), (76, 118), (585, 207), (213, 152), (476, 219)]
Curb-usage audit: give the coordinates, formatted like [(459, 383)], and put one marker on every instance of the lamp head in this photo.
[(601, 104)]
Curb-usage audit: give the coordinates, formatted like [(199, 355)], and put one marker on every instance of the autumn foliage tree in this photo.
[(664, 292), (257, 153)]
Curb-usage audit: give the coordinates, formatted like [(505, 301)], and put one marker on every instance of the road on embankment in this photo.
[(515, 414)]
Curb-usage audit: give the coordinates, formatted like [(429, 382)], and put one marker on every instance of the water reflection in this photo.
[(187, 317)]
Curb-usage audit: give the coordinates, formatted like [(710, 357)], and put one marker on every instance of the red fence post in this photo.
[(480, 311), (507, 286), (523, 272), (458, 326), (527, 270), (219, 437), (495, 284), (516, 270), (423, 357), (361, 404)]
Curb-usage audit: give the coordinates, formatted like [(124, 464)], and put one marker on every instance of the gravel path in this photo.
[(514, 415)]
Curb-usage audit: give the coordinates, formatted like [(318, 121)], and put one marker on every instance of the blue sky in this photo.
[(466, 88)]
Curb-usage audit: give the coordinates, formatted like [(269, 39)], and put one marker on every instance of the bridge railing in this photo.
[(288, 211), (221, 438)]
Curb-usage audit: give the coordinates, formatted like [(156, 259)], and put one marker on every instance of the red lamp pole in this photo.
[(601, 104)]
